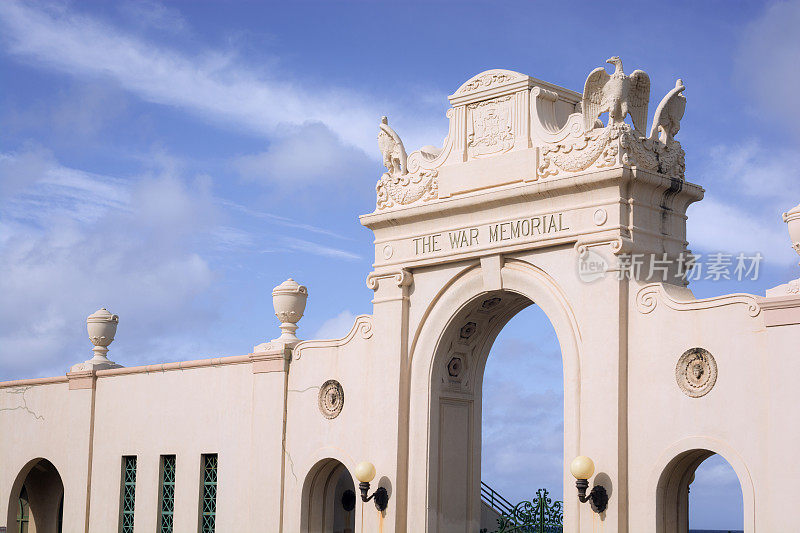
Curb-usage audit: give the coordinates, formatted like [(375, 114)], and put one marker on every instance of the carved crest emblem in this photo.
[(696, 372), (331, 398), (490, 128)]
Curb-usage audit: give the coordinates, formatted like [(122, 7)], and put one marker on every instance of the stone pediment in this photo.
[(507, 127)]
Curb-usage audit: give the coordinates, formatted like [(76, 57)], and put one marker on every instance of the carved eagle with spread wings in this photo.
[(618, 94)]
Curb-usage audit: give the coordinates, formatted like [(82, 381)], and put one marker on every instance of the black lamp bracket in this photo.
[(598, 496), (380, 495)]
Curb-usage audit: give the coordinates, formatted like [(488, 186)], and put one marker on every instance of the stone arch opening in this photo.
[(457, 404), (39, 488), (674, 487), (329, 499), (444, 468)]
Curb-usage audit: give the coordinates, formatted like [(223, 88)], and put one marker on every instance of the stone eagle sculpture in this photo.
[(617, 94), (667, 120), (398, 186), (392, 149)]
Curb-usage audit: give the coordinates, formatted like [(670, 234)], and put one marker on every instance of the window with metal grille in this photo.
[(23, 511), (128, 494), (166, 506), (208, 493)]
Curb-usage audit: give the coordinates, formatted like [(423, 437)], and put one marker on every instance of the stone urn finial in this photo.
[(792, 218), (289, 300), (101, 326)]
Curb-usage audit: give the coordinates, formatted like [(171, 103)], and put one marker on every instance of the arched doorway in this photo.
[(448, 360), (329, 499), (457, 405), (686, 473), (37, 499)]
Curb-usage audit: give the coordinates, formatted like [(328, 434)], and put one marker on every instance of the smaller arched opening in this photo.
[(329, 499), (37, 499), (711, 478)]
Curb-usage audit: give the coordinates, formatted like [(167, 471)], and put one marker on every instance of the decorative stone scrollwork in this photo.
[(331, 399), (407, 188), (486, 80), (696, 372), (401, 277), (614, 145), (649, 296)]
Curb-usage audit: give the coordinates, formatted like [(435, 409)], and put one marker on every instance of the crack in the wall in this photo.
[(21, 391), (291, 465), (304, 390)]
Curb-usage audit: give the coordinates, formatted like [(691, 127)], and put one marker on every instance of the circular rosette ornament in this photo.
[(331, 399), (696, 372)]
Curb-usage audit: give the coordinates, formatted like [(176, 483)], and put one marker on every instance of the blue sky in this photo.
[(174, 162)]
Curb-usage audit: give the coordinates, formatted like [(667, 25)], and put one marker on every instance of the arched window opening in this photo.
[(37, 499), (699, 491), (329, 499)]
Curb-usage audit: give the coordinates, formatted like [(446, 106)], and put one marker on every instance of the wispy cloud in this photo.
[(277, 219), (313, 248), (212, 84), (38, 189)]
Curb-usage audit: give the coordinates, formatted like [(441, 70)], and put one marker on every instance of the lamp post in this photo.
[(582, 468), (365, 472)]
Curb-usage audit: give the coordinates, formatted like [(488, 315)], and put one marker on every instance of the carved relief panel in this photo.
[(490, 127)]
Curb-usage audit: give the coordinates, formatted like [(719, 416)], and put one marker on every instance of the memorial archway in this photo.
[(468, 318), (37, 499), (329, 499)]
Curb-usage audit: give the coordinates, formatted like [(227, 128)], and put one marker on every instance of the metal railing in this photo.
[(493, 499), (540, 515)]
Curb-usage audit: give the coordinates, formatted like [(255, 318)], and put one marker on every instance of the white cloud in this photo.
[(213, 84), (752, 186), (715, 226), (74, 241), (310, 153), (336, 327), (21, 170), (751, 169)]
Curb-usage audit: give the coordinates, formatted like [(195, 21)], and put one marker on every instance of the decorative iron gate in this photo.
[(540, 515)]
